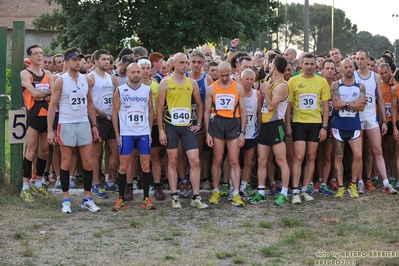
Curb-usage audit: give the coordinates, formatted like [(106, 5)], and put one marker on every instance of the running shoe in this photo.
[(159, 194), (215, 197), (392, 181), (237, 200), (317, 185), (360, 188), (296, 199), (120, 205), (197, 203), (244, 195), (352, 189), (206, 185), (310, 189), (99, 192), (225, 190), (53, 177), (41, 192), (128, 194), (273, 189), (148, 204), (368, 185), (324, 189), (89, 205), (72, 184), (340, 192), (375, 181), (334, 184), (306, 196), (111, 189), (66, 206), (175, 202), (26, 195), (258, 198), (249, 189), (388, 189), (184, 189), (397, 184), (58, 184), (281, 199)]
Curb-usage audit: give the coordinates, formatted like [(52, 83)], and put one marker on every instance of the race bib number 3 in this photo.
[(308, 101), (77, 100), (225, 101), (181, 116)]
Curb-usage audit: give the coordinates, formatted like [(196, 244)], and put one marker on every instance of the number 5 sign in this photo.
[(17, 126)]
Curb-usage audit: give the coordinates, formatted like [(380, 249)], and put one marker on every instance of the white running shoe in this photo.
[(90, 205), (66, 206)]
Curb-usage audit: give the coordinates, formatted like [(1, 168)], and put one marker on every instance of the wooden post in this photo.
[(17, 64), (3, 115)]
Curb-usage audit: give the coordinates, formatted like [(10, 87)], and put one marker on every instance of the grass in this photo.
[(262, 234)]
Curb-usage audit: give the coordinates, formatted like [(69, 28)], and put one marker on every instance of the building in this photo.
[(26, 10)]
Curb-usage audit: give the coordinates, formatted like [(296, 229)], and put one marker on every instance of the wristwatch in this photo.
[(199, 124), (346, 104), (325, 128), (243, 132)]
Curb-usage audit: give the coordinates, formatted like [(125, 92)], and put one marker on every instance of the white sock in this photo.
[(243, 185), (284, 190), (360, 182), (110, 183), (38, 182), (261, 190), (25, 186), (71, 177), (385, 182), (106, 177), (235, 192)]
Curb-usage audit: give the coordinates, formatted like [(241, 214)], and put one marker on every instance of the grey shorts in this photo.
[(187, 137), (74, 134), (224, 128)]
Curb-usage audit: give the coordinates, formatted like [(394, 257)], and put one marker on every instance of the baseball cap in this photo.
[(73, 55)]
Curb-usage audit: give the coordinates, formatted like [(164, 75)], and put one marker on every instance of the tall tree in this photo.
[(162, 25)]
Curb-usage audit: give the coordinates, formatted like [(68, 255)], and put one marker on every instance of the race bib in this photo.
[(42, 87), (225, 101), (264, 109), (194, 111), (107, 100), (330, 108), (370, 99), (308, 101), (136, 118), (181, 116), (77, 100), (347, 113), (388, 107), (250, 118)]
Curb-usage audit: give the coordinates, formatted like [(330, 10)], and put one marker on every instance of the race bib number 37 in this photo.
[(225, 101)]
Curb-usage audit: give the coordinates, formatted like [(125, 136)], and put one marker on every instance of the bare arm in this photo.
[(37, 94), (259, 113), (208, 105), (116, 103), (243, 110), (57, 89), (197, 99), (380, 99), (280, 93), (161, 103), (150, 111)]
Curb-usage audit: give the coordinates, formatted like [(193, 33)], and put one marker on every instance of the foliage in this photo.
[(346, 37), (166, 26)]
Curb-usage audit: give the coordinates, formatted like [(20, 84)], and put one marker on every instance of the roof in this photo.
[(23, 10)]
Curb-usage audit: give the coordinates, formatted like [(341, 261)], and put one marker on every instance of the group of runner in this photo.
[(205, 115)]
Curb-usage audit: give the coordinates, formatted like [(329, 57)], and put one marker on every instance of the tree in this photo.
[(165, 26), (374, 45)]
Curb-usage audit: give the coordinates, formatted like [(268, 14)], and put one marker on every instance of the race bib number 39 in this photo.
[(225, 101), (308, 101), (181, 116)]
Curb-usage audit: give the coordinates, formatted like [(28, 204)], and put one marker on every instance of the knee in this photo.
[(87, 163), (195, 163), (172, 161), (310, 158)]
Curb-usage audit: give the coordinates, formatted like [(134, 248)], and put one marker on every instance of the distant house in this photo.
[(26, 10)]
